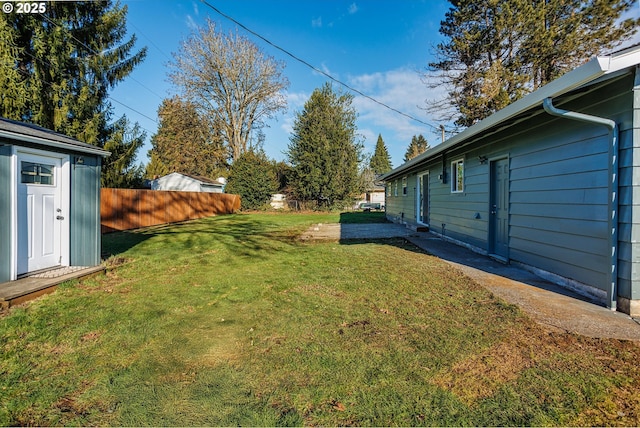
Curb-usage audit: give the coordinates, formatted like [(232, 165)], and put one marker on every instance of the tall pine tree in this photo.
[(418, 145), (323, 151), (185, 142), (495, 52), (67, 59), (380, 161), (119, 169)]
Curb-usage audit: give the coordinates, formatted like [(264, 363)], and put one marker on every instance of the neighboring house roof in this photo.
[(204, 180), (29, 133), (181, 181), (198, 178), (597, 67)]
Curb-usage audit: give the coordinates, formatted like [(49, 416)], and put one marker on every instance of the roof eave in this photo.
[(53, 143), (587, 72)]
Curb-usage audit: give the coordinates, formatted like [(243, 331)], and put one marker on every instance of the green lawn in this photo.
[(232, 321)]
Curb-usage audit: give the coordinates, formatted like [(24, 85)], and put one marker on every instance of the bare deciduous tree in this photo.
[(231, 81)]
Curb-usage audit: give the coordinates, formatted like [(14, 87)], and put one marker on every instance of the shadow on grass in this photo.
[(353, 231), (241, 235), (114, 243), (359, 217)]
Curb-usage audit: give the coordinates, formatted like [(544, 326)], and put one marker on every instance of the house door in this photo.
[(423, 199), (39, 212), (499, 209)]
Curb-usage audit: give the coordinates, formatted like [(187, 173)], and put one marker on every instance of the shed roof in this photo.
[(585, 74), (34, 134)]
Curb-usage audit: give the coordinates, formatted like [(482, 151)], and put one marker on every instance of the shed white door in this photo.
[(39, 212)]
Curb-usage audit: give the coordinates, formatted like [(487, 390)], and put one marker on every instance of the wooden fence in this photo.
[(124, 209)]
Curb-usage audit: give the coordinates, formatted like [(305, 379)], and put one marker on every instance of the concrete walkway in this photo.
[(549, 304)]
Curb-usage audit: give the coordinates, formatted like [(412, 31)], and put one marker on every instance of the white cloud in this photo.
[(400, 89), (295, 103), (353, 8), (317, 22), (191, 23), (296, 100)]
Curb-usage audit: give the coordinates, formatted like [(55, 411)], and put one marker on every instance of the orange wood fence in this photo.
[(124, 209)]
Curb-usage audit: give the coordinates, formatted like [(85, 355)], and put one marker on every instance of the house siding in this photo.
[(629, 221), (85, 237), (558, 189), (5, 212)]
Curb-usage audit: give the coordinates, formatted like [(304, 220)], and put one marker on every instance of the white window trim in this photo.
[(395, 188), (454, 176), (404, 186)]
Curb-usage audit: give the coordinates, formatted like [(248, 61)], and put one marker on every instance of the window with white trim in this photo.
[(395, 188), (457, 176), (36, 173), (404, 186), (388, 189)]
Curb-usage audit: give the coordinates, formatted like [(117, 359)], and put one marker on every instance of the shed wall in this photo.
[(5, 212), (85, 236)]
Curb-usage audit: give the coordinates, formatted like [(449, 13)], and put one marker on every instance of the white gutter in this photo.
[(613, 186), (53, 143)]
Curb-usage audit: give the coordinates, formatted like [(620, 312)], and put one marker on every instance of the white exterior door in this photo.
[(499, 209), (39, 212), (422, 201)]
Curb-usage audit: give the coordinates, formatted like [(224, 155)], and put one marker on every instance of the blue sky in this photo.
[(379, 47), (376, 46)]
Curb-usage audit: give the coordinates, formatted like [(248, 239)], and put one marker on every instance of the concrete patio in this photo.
[(549, 304)]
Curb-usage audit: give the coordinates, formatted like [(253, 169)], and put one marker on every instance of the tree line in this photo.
[(57, 68)]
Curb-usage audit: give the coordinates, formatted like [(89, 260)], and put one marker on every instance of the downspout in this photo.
[(613, 186)]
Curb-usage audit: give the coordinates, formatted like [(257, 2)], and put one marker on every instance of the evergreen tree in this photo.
[(283, 172), (13, 87), (323, 150), (185, 142), (380, 161), (495, 52), (155, 168), (119, 169), (67, 58), (253, 177), (418, 145)]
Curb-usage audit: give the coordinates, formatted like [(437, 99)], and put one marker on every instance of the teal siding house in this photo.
[(49, 200), (550, 183)]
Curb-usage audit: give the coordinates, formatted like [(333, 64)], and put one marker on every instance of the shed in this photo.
[(188, 183), (550, 183), (49, 200)]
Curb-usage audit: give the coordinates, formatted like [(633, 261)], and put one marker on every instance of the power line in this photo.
[(134, 110), (150, 40), (94, 52), (315, 68), (51, 85)]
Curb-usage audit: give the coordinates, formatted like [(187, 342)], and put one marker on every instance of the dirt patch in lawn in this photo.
[(534, 349)]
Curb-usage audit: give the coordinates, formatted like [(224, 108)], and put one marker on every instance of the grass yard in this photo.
[(232, 321)]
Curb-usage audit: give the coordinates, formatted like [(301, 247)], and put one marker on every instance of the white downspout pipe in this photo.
[(613, 187)]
